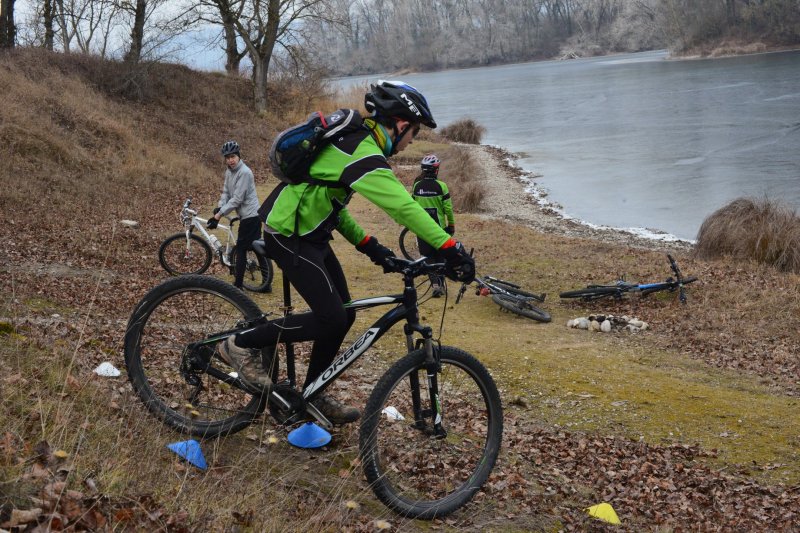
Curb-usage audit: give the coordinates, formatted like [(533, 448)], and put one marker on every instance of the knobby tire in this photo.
[(172, 315), (509, 287), (521, 306), (257, 274), (409, 246), (591, 293), (177, 260), (413, 472)]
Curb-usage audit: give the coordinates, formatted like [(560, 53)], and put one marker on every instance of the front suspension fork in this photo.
[(432, 367)]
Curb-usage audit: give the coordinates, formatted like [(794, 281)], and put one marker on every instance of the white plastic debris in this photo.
[(107, 370), (129, 223), (392, 413)]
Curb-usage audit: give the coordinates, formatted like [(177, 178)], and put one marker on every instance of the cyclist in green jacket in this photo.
[(300, 219), (434, 197)]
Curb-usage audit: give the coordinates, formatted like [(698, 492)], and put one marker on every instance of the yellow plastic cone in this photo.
[(604, 512)]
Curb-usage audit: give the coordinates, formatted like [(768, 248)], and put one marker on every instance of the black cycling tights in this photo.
[(318, 277), (249, 231)]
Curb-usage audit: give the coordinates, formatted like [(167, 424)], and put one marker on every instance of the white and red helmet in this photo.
[(430, 164)]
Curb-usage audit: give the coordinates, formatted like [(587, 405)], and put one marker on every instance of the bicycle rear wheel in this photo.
[(159, 356), (592, 293), (521, 306), (178, 256), (409, 246), (412, 471), (257, 272)]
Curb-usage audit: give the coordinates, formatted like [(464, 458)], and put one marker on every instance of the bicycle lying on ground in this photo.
[(618, 288), (189, 253), (432, 427), (509, 296)]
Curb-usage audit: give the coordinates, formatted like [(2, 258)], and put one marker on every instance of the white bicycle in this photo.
[(191, 251)]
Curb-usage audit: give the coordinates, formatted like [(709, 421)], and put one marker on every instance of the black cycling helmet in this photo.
[(397, 99), (430, 165), (230, 147)]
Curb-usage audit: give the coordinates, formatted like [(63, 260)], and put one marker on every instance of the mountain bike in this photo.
[(509, 296), (432, 426), (190, 253), (620, 287)]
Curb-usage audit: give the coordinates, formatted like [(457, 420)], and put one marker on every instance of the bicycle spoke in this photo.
[(420, 473), (174, 321)]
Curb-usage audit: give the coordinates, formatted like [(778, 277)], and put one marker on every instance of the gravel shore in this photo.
[(512, 194)]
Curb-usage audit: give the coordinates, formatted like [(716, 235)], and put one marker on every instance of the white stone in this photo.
[(605, 327), (594, 325), (635, 322), (583, 323), (643, 326), (106, 369), (129, 223)]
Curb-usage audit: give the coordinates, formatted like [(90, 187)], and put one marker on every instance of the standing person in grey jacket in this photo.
[(239, 193)]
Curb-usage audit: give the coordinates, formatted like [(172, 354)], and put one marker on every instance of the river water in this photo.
[(636, 140)]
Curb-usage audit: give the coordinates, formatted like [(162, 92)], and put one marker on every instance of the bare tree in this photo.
[(82, 21), (263, 24), (223, 13), (8, 30), (49, 14), (134, 53)]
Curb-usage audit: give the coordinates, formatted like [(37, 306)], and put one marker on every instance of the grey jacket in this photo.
[(239, 192)]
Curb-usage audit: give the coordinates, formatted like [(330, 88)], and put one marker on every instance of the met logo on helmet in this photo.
[(411, 105)]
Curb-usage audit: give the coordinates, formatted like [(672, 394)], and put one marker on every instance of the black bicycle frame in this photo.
[(407, 309)]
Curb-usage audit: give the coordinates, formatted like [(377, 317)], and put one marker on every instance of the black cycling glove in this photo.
[(451, 230), (459, 265), (378, 254), (212, 223)]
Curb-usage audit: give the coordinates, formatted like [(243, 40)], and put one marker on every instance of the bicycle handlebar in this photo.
[(416, 268)]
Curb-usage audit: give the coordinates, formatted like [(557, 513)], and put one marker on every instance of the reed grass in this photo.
[(763, 230)]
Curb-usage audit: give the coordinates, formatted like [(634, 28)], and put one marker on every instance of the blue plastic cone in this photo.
[(190, 450), (309, 435)]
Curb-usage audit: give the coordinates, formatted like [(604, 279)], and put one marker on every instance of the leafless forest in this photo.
[(363, 36), (386, 35)]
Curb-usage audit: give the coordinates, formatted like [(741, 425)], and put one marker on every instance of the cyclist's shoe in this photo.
[(246, 362), (437, 291), (335, 411)]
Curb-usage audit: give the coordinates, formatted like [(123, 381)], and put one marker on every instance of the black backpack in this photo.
[(294, 149)]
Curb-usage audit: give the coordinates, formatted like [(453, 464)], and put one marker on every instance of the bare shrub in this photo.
[(762, 230), (463, 177), (464, 131)]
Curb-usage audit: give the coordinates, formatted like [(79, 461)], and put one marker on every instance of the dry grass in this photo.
[(763, 230), (464, 131)]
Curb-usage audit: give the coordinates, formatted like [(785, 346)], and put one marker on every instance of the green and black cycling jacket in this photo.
[(356, 161), (434, 197)]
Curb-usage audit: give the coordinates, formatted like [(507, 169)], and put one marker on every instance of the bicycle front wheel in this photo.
[(179, 256), (413, 471), (257, 271), (592, 293), (173, 379), (409, 246), (521, 306)]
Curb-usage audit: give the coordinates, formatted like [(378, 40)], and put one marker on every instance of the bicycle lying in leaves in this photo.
[(620, 287), (433, 423), (190, 253), (509, 296)]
